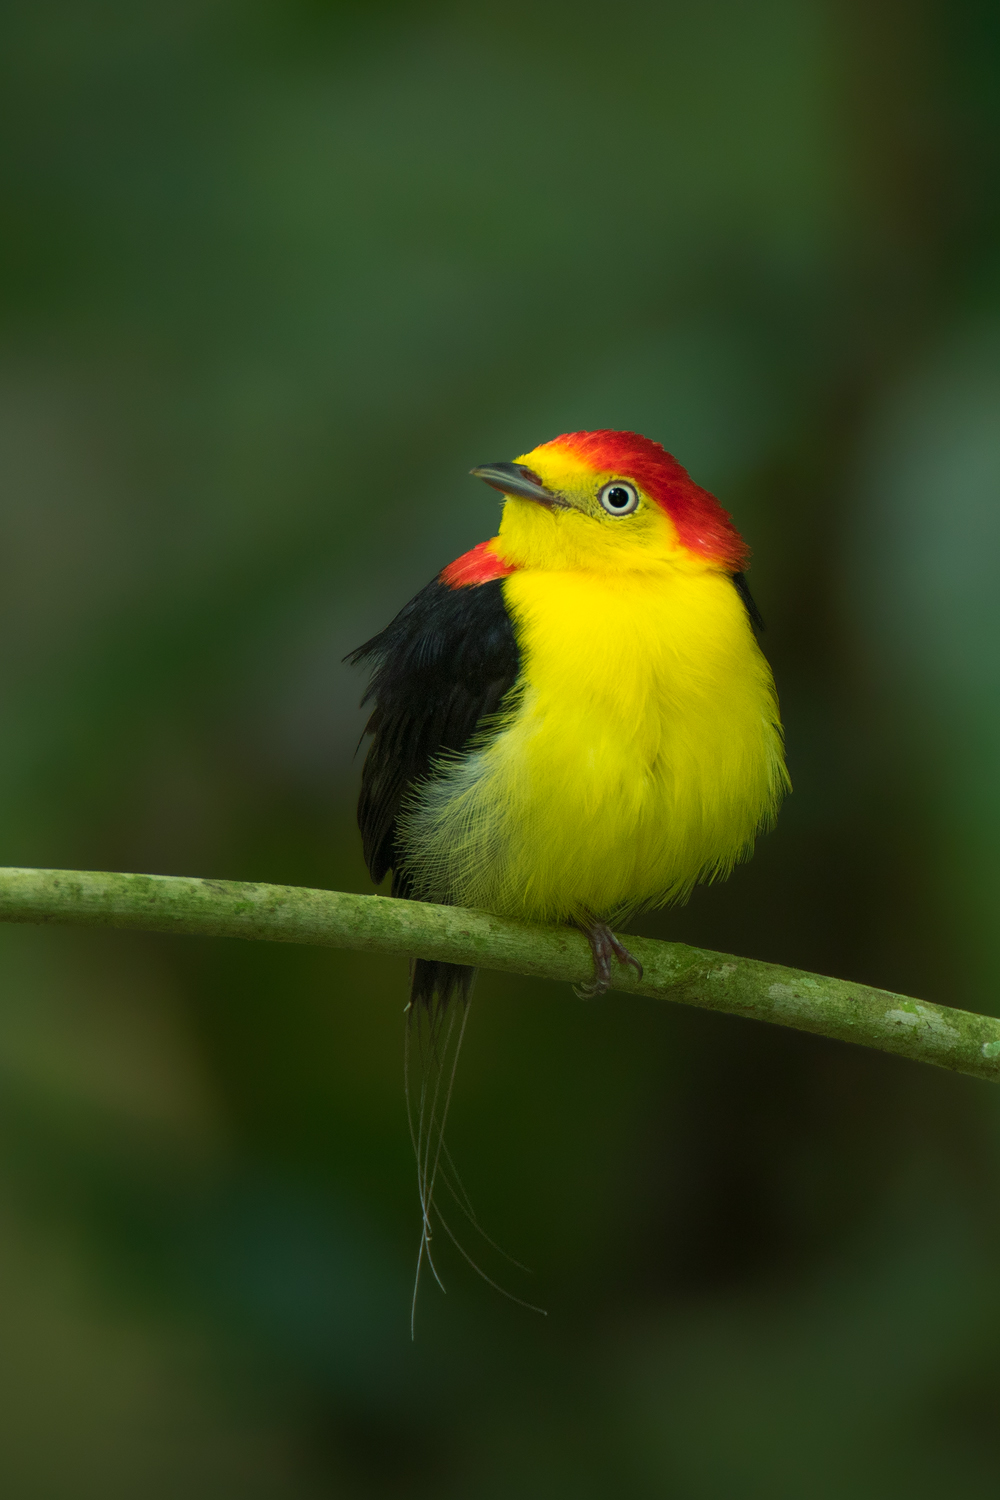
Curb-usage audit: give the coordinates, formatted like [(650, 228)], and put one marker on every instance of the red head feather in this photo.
[(481, 565), (702, 524)]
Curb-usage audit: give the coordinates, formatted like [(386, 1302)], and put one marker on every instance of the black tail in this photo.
[(433, 983)]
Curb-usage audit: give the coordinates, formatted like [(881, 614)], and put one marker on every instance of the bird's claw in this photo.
[(604, 946)]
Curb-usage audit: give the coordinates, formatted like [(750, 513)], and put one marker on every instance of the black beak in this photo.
[(515, 479)]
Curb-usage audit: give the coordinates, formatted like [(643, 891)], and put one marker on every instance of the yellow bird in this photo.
[(574, 721)]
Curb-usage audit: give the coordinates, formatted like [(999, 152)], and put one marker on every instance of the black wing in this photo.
[(443, 665), (749, 602)]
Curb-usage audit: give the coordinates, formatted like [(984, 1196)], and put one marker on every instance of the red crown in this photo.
[(702, 524)]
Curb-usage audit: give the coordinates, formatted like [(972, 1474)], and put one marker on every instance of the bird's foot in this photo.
[(604, 946)]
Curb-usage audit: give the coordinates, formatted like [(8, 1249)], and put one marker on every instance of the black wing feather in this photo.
[(442, 666), (749, 602)]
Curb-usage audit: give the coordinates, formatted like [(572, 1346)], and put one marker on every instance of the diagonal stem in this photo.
[(957, 1039)]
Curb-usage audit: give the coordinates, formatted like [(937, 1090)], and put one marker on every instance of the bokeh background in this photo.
[(273, 275)]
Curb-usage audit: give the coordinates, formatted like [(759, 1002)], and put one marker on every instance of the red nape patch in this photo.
[(702, 524), (481, 565)]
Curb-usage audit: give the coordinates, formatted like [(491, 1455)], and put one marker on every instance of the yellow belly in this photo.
[(642, 754)]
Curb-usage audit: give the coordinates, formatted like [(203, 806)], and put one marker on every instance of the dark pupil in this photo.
[(618, 497)]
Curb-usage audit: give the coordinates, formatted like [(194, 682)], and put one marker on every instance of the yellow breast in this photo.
[(641, 754)]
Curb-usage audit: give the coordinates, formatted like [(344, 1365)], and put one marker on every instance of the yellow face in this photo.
[(605, 521)]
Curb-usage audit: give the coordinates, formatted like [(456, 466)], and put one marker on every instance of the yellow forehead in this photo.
[(559, 468)]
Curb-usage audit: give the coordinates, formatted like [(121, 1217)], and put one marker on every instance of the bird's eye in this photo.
[(619, 499)]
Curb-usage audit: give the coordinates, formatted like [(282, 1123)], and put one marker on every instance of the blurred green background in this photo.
[(273, 276)]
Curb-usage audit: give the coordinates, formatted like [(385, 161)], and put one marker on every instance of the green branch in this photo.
[(955, 1039)]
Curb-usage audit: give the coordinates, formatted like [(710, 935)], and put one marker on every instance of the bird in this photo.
[(574, 721)]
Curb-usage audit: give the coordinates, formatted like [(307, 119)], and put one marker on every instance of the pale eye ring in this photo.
[(619, 498)]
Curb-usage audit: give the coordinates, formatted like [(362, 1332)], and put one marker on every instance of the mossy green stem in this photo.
[(838, 1008)]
